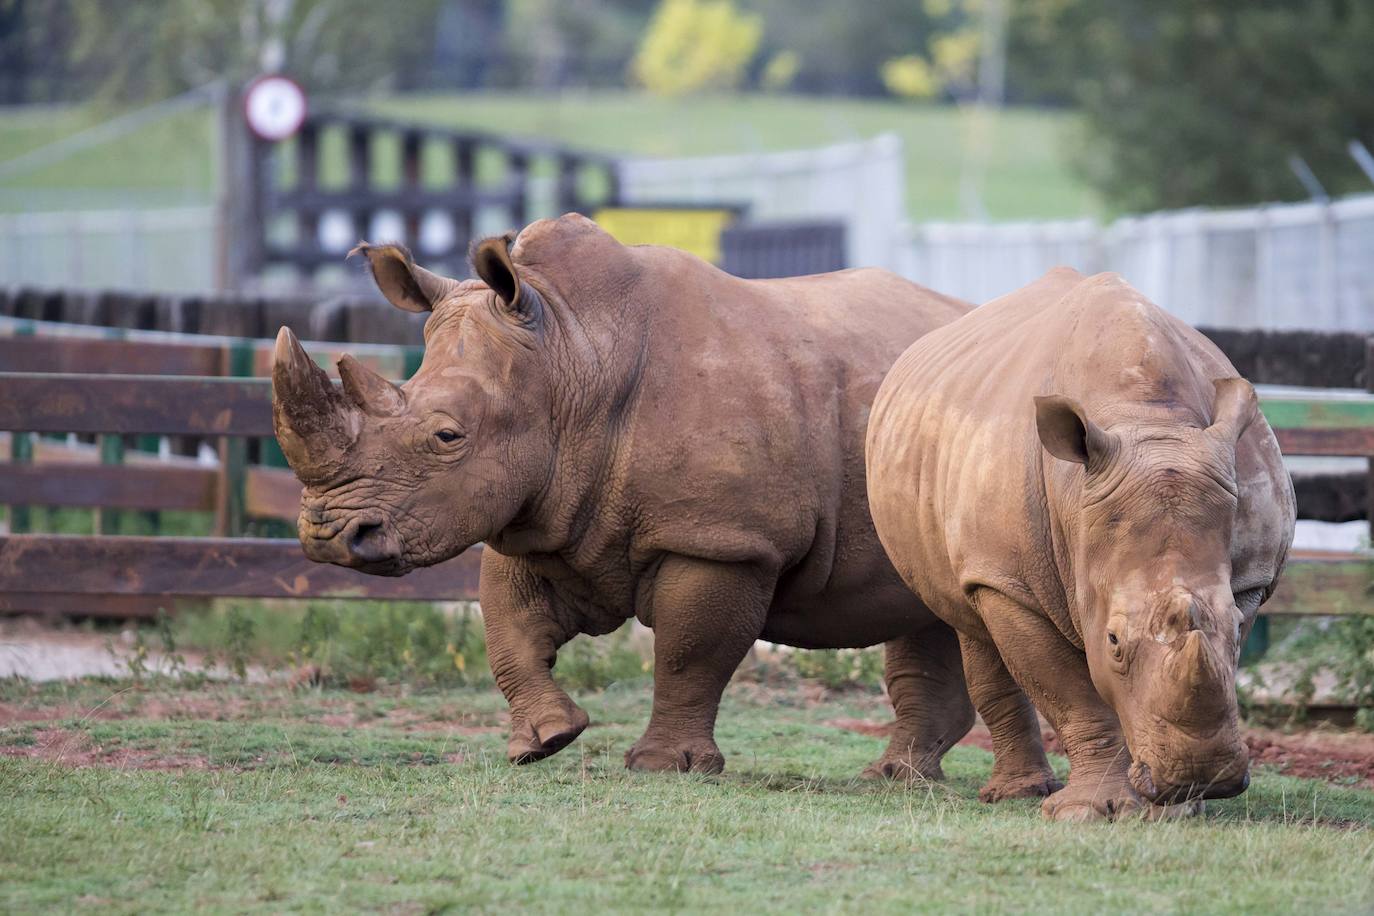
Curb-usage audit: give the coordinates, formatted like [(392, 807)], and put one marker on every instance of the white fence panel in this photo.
[(862, 184), (161, 250), (1287, 266)]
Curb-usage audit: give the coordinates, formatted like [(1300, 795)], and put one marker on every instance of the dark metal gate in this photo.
[(297, 206)]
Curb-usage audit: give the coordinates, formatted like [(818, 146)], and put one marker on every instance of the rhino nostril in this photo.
[(369, 543)]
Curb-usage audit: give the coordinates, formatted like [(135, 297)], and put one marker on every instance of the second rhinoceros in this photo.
[(1079, 483), (632, 433)]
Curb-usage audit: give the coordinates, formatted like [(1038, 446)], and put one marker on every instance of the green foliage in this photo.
[(950, 59), (840, 667), (350, 642), (695, 45), (1342, 647), (1192, 102), (151, 49)]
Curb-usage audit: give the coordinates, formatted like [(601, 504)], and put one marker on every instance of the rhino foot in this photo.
[(904, 768), (1026, 785), (547, 737), (1094, 799), (699, 755)]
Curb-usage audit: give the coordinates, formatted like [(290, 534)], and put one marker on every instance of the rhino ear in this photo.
[(1067, 433), (491, 261), (405, 285), (1235, 408)]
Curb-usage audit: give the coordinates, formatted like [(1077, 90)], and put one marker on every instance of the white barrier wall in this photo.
[(163, 250), (1282, 266), (863, 184)]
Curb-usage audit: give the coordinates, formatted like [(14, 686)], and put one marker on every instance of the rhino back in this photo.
[(746, 442)]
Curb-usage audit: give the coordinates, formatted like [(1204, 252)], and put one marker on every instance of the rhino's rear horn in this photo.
[(372, 394)]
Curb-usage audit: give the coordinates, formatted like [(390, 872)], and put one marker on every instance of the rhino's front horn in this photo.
[(372, 394), (315, 425), (1196, 665)]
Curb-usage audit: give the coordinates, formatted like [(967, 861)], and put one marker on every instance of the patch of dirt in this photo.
[(76, 749), (1338, 757)]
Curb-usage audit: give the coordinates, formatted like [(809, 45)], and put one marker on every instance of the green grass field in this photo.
[(129, 798), (1028, 175)]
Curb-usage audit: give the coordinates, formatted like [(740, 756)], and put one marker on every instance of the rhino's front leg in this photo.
[(705, 617), (524, 629), (1054, 673)]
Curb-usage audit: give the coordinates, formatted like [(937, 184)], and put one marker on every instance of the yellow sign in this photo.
[(697, 231)]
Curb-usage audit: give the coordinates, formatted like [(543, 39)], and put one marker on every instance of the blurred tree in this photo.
[(1192, 102), (780, 71), (555, 43), (140, 49), (692, 45), (839, 46)]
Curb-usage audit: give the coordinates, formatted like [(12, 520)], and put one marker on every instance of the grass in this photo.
[(402, 800), (1027, 175)]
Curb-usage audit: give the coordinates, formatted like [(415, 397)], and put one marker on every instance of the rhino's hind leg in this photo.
[(705, 617), (925, 682), (1020, 768)]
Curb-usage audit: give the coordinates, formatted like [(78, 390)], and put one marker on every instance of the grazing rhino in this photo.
[(632, 433), (1081, 486)]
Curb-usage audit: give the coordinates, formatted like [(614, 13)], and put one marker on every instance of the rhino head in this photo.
[(398, 477), (1166, 584)]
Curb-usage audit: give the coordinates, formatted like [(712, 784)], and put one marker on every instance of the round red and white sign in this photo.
[(274, 106)]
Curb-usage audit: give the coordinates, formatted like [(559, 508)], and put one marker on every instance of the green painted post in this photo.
[(414, 356), (111, 452), (1257, 643), (21, 452)]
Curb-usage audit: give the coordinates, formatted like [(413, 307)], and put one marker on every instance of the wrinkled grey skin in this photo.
[(1080, 485), (632, 433)]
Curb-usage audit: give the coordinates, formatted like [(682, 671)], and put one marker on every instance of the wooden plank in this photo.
[(211, 567), (1320, 423), (88, 355), (1317, 584), (273, 493), (118, 607), (135, 486), (135, 404), (1352, 442)]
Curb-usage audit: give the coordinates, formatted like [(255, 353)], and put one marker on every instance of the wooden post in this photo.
[(465, 179), (231, 509), (1369, 485), (239, 227), (520, 188), (21, 452), (307, 182), (360, 176), (411, 177), (568, 198)]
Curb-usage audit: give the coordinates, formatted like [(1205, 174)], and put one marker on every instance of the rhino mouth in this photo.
[(1229, 779), (367, 545)]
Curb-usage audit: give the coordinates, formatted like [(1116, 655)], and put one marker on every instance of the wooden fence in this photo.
[(121, 389), (152, 385), (350, 167)]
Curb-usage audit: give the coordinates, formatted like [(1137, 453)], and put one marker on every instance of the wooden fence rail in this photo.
[(128, 575)]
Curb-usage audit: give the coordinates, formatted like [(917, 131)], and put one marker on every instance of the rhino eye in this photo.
[(1111, 638), (448, 436)]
